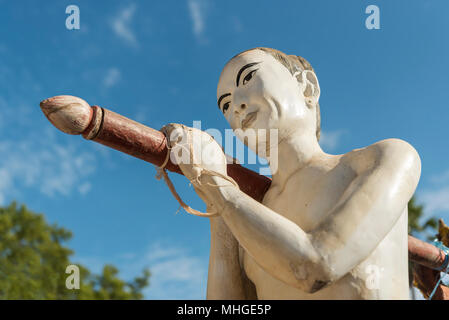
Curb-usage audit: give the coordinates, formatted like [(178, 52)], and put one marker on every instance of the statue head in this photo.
[(264, 88)]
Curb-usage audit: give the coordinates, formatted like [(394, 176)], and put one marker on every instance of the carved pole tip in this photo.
[(69, 114)]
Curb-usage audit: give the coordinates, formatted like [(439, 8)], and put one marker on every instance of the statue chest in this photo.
[(307, 201)]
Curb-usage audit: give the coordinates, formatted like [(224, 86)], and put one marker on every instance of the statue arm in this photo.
[(226, 278), (277, 244), (358, 222), (369, 208)]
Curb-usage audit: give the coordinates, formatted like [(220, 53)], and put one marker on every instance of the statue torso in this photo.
[(306, 199)]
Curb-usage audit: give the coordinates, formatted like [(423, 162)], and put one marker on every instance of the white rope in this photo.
[(161, 172)]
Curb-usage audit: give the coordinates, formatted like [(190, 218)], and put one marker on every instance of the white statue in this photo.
[(330, 226)]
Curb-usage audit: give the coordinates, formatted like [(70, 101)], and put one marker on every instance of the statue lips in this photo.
[(249, 119)]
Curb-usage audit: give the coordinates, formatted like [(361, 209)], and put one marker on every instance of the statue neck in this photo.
[(294, 153)]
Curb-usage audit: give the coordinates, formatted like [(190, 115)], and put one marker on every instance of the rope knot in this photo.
[(162, 173)]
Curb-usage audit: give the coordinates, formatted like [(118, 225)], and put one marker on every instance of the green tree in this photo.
[(415, 226), (33, 261)]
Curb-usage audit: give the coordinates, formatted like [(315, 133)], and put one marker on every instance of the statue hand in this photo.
[(200, 158)]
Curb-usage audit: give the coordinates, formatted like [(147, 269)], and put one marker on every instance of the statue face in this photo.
[(255, 91)]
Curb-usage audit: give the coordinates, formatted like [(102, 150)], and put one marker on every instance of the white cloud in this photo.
[(436, 200), (85, 188), (127, 255), (5, 183), (159, 252), (197, 10), (121, 25), (440, 178), (175, 272), (111, 78), (330, 140), (41, 163), (178, 278)]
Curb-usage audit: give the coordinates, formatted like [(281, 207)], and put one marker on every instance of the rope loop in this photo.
[(162, 173)]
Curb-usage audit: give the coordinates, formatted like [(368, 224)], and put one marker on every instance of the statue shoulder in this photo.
[(393, 156)]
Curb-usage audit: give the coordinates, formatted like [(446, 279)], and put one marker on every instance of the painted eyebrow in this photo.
[(222, 97), (243, 69)]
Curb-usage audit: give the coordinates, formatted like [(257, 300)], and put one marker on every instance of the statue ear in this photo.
[(311, 87)]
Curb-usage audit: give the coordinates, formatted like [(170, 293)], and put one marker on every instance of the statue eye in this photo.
[(225, 106), (249, 76)]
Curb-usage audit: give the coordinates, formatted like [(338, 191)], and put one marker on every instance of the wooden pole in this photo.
[(73, 115)]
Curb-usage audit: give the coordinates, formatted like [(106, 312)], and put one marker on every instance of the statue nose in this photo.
[(240, 108)]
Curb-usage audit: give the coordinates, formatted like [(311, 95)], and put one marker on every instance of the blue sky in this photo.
[(159, 62)]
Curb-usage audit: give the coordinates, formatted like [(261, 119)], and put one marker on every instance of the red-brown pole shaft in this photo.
[(74, 116), (128, 136), (426, 254)]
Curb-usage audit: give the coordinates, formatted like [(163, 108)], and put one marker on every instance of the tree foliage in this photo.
[(415, 225), (33, 262)]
